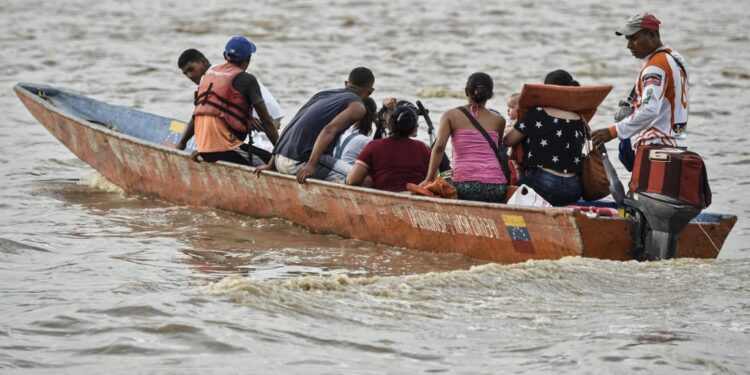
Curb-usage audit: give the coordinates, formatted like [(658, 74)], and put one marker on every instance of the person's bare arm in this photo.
[(187, 134), (353, 113), (513, 137), (270, 166), (501, 125), (602, 136), (358, 174), (438, 149), (267, 122)]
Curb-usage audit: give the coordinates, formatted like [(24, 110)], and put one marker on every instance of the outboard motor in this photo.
[(659, 221), (669, 187)]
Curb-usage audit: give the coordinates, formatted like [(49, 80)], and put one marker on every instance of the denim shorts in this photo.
[(557, 190)]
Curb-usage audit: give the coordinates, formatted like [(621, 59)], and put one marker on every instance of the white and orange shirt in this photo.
[(661, 102)]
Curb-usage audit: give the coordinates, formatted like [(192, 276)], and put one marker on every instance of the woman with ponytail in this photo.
[(392, 162), (477, 173)]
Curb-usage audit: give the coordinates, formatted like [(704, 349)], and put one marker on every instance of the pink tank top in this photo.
[(474, 159)]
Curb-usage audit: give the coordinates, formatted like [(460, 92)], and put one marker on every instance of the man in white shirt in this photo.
[(660, 97)]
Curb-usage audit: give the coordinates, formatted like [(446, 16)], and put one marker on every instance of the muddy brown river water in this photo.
[(95, 281)]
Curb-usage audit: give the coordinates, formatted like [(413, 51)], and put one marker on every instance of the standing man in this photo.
[(226, 96), (660, 97), (306, 145)]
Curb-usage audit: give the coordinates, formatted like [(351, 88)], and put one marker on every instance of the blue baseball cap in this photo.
[(239, 48)]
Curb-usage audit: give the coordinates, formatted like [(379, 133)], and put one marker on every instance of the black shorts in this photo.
[(240, 155)]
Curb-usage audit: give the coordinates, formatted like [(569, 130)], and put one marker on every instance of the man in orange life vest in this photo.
[(225, 98), (194, 66), (660, 97)]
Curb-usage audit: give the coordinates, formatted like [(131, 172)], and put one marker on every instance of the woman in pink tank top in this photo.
[(477, 174)]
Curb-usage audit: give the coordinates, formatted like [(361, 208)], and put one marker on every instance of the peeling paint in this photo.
[(177, 127), (353, 202), (117, 151), (94, 144), (184, 174)]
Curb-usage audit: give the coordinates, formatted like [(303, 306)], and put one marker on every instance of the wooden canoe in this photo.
[(134, 150)]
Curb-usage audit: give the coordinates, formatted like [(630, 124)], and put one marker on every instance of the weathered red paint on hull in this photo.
[(498, 233)]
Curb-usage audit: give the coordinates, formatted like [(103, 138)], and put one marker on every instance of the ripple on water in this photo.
[(137, 288), (169, 329), (123, 350), (8, 246), (738, 162), (131, 311), (62, 322), (143, 72), (363, 347), (735, 74)]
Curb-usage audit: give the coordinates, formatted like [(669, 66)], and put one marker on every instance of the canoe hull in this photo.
[(490, 232)]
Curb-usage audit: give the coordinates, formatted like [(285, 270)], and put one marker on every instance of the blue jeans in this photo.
[(558, 191), (627, 155)]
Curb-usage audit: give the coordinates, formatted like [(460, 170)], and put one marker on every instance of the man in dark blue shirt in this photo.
[(305, 147)]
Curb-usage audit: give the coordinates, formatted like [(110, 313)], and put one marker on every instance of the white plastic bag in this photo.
[(526, 196)]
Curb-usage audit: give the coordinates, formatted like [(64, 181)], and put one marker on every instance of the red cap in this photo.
[(650, 22), (637, 23)]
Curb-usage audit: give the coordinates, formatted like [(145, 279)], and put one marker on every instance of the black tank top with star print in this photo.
[(551, 142)]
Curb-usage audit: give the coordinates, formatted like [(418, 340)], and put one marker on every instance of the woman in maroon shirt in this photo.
[(390, 163)]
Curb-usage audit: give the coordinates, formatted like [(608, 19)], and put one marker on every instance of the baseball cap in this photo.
[(636, 23), (239, 48)]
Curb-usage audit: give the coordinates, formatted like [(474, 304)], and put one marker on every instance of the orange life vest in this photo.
[(216, 97), (579, 99)]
